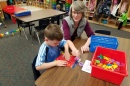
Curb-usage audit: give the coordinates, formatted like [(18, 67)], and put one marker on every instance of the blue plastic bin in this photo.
[(104, 41)]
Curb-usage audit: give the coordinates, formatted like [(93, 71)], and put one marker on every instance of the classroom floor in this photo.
[(17, 53)]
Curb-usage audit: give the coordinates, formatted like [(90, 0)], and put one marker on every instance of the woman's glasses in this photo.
[(75, 12)]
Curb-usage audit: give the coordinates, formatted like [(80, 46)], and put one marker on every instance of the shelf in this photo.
[(109, 25), (109, 22), (95, 22), (90, 11)]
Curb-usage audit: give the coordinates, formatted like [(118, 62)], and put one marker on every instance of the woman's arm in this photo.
[(85, 47), (88, 30), (66, 30)]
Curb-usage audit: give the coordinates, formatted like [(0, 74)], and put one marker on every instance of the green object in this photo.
[(11, 1), (123, 18), (48, 1), (101, 56), (97, 61)]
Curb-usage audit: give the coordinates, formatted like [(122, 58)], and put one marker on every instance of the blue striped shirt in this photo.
[(52, 54)]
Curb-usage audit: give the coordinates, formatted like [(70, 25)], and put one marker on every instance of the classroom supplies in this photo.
[(71, 62), (104, 41), (87, 67), (22, 13), (112, 76)]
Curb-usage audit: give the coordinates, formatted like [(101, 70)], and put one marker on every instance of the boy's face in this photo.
[(52, 43)]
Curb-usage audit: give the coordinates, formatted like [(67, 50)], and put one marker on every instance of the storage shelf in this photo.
[(110, 21)]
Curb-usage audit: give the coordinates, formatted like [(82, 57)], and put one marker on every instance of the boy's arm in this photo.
[(75, 52), (46, 65), (51, 64), (67, 54)]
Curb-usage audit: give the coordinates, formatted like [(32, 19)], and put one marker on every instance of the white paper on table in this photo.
[(87, 67)]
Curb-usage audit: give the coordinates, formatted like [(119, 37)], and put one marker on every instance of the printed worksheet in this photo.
[(87, 67)]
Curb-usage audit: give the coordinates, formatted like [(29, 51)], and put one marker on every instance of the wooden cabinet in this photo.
[(43, 4), (2, 5)]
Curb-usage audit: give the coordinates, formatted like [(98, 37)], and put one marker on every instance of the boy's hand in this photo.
[(61, 63), (84, 48), (67, 56), (76, 53)]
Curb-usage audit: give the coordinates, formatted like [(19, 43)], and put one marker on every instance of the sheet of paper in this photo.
[(87, 67)]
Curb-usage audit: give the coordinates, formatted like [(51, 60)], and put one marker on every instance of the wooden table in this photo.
[(64, 76), (38, 15)]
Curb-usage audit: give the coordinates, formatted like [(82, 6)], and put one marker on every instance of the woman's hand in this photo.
[(84, 48)]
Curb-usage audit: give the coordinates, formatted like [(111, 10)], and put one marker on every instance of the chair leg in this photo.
[(20, 30), (38, 37), (33, 35), (25, 33)]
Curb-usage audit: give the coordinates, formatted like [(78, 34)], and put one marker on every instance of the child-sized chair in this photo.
[(36, 73), (42, 25)]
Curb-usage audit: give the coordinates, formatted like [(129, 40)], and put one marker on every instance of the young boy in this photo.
[(50, 49)]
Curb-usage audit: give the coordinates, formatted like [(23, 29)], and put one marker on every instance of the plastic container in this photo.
[(22, 13), (108, 75), (104, 41)]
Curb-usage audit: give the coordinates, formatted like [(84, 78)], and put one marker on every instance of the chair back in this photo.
[(103, 32), (43, 24), (36, 73)]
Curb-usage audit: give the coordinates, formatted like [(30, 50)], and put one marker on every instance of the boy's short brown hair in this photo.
[(53, 32)]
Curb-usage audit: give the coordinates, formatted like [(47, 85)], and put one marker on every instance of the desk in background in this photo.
[(12, 9), (40, 14), (64, 76)]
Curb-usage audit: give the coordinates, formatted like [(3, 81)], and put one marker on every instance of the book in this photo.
[(71, 62)]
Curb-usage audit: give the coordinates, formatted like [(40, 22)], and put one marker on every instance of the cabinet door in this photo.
[(3, 4)]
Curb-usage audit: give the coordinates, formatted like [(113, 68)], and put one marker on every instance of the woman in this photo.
[(74, 24)]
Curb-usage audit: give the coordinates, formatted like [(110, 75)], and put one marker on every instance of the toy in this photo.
[(11, 32), (71, 62), (107, 63), (67, 5), (54, 4)]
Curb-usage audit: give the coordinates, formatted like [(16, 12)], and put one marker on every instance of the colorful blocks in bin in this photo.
[(104, 41), (107, 73)]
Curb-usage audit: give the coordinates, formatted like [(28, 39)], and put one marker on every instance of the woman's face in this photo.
[(76, 15)]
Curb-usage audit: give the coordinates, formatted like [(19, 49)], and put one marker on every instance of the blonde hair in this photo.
[(78, 6), (58, 7)]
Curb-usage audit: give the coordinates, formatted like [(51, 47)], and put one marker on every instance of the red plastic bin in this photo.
[(108, 75)]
